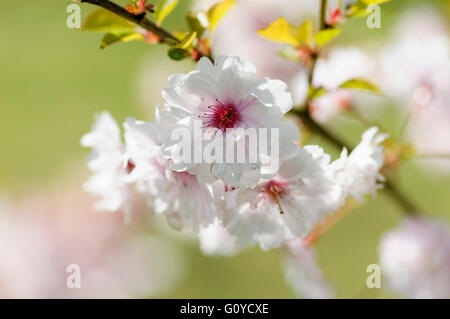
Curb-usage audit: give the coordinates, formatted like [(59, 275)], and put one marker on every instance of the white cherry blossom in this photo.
[(224, 96), (185, 201), (286, 206)]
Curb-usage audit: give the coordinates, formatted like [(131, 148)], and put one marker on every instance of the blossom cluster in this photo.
[(249, 204)]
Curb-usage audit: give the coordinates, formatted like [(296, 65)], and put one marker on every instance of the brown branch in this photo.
[(390, 188), (323, 13), (140, 20)]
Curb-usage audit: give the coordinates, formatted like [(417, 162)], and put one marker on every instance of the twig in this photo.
[(323, 18), (140, 20), (391, 189)]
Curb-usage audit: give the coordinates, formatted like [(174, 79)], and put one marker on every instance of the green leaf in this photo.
[(165, 7), (305, 34), (360, 84), (181, 50), (177, 53), (197, 22), (217, 12), (359, 9), (106, 21), (315, 93), (111, 38), (324, 36), (281, 31)]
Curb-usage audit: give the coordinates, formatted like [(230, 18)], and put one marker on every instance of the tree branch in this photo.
[(390, 188), (304, 115), (140, 20), (323, 13)]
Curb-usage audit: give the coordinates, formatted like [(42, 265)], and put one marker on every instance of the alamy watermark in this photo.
[(374, 19), (374, 279), (74, 279), (232, 145), (74, 18)]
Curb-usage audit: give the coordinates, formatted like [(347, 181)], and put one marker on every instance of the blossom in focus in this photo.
[(358, 173), (107, 163), (415, 259), (222, 96), (288, 205), (303, 273), (180, 196), (233, 204)]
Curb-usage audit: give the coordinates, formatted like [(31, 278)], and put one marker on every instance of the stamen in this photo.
[(274, 190), (221, 116)]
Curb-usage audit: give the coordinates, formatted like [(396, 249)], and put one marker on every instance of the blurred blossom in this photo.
[(417, 58), (303, 273), (342, 64), (415, 259), (237, 35), (416, 71), (43, 234), (216, 240)]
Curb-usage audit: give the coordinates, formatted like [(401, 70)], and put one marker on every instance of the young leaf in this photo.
[(165, 7), (315, 93), (180, 35), (103, 20), (369, 2), (360, 84), (305, 34), (181, 51), (217, 11), (281, 31), (197, 22), (111, 38), (359, 9), (324, 36), (187, 41)]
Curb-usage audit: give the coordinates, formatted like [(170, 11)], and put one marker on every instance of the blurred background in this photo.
[(52, 82)]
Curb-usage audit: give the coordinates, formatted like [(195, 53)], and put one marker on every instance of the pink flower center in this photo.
[(221, 116), (274, 190), (130, 166), (225, 115)]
